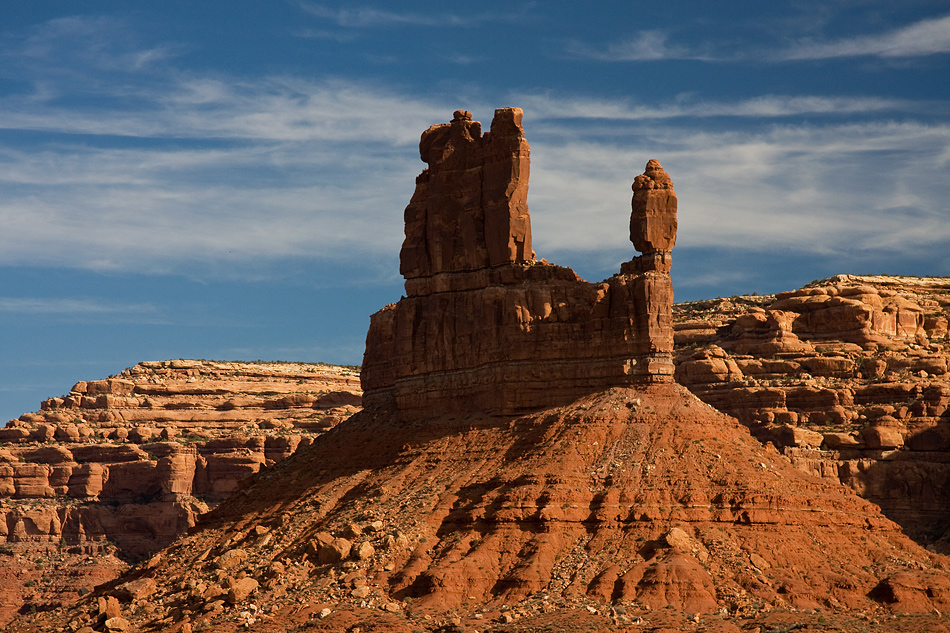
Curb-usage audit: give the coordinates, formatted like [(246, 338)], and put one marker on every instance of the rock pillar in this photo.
[(653, 219), (470, 207), (485, 327)]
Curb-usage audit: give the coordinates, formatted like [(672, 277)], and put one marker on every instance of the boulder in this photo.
[(333, 552), (109, 606), (86, 480), (240, 589), (882, 438), (338, 399), (230, 559), (32, 480), (364, 551), (112, 386), (133, 590), (799, 437), (117, 623), (842, 441), (708, 365), (49, 455)]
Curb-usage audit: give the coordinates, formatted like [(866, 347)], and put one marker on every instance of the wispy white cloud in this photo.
[(336, 188), (215, 172), (649, 45), (369, 17), (465, 60), (26, 305), (926, 37), (71, 44), (326, 34), (765, 106), (164, 219), (808, 188), (276, 109)]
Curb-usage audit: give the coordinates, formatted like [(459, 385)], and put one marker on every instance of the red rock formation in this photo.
[(127, 464), (470, 208), (638, 502), (159, 434), (854, 366), (486, 328), (653, 221)]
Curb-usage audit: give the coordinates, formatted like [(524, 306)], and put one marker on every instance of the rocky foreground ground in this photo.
[(631, 509)]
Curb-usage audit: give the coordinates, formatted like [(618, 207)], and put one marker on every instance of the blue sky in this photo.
[(227, 179)]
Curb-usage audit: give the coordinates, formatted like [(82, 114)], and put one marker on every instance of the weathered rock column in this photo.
[(485, 327), (470, 207), (653, 219), (653, 233)]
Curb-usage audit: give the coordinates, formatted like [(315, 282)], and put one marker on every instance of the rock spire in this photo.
[(470, 207), (484, 326), (653, 218)]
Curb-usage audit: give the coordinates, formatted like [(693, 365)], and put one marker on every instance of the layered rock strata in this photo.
[(848, 376), (125, 465), (131, 460), (485, 327)]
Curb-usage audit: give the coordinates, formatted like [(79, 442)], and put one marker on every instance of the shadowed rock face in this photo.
[(485, 327)]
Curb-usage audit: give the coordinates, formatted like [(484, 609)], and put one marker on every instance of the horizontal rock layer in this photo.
[(849, 375), (126, 464), (530, 336)]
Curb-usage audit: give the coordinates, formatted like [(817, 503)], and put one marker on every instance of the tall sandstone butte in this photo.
[(484, 326)]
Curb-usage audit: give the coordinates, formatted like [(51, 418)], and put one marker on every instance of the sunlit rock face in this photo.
[(487, 327)]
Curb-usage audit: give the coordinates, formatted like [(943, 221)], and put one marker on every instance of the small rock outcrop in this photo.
[(486, 327)]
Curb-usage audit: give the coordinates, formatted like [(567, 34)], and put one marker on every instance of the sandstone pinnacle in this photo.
[(482, 316)]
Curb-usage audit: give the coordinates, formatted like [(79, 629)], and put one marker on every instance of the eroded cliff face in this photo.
[(120, 467), (848, 376), (484, 326)]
